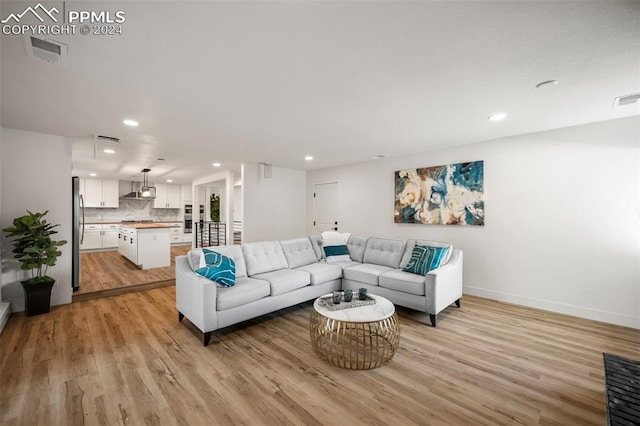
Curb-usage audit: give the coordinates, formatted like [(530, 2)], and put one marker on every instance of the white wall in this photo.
[(237, 203), (274, 208), (36, 176), (562, 214)]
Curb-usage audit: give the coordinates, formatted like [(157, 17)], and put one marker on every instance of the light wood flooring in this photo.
[(127, 360), (109, 273)]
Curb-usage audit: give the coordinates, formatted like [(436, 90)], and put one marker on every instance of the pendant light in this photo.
[(147, 191)]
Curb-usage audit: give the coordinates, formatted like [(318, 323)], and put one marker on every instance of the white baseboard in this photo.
[(562, 308), (5, 312)]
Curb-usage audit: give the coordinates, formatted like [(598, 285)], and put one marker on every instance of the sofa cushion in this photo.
[(403, 281), (322, 272), (365, 273), (347, 264), (218, 268), (234, 252), (316, 243), (246, 290), (411, 243), (298, 252), (380, 251), (425, 258), (264, 256), (356, 247), (193, 257), (285, 280)]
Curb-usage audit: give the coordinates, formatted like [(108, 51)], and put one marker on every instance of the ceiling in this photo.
[(248, 82)]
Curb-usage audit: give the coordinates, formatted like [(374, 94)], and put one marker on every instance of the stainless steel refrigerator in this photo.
[(77, 234)]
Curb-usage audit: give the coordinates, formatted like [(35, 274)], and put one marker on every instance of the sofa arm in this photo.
[(444, 284), (195, 297)]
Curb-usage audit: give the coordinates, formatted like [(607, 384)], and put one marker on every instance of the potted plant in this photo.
[(36, 251), (215, 208)]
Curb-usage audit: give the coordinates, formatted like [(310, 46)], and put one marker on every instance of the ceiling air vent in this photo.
[(103, 138), (47, 50), (626, 100)]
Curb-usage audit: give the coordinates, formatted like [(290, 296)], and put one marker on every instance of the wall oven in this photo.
[(188, 218)]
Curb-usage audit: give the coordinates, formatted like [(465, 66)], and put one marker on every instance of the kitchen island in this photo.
[(147, 245)]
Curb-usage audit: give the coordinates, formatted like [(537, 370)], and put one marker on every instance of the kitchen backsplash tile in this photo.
[(132, 210)]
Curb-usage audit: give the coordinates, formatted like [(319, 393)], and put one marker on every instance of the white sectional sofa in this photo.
[(272, 275)]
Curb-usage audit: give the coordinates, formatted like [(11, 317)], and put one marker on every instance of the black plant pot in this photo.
[(37, 298)]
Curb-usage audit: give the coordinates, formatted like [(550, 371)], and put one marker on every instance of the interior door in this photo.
[(325, 207)]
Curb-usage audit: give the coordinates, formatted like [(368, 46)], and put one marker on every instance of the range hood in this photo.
[(137, 192)]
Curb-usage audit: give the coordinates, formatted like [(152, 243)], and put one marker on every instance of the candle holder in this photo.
[(348, 295), (336, 297), (362, 293)]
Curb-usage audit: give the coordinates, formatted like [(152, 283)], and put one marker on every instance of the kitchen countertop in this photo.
[(134, 223), (147, 225)]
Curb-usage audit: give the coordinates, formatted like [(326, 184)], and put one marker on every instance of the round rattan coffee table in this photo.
[(355, 338)]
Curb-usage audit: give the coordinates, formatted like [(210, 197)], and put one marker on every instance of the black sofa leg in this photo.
[(458, 303), (433, 319), (180, 316), (206, 338)]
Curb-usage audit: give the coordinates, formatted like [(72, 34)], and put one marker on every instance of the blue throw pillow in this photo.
[(425, 258), (336, 253), (220, 269)]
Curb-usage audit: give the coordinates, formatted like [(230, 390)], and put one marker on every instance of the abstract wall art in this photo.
[(441, 195)]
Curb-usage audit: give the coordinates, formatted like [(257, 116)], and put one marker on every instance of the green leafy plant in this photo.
[(33, 245), (215, 208)]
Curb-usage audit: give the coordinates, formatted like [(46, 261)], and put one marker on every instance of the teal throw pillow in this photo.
[(336, 253), (336, 250), (220, 269), (425, 258)]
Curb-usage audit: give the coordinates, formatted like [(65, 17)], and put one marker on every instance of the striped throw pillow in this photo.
[(220, 269), (425, 258)]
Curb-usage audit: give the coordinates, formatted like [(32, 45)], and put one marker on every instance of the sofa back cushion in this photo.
[(356, 247), (264, 256), (298, 252), (412, 243), (196, 260), (380, 251), (316, 243)]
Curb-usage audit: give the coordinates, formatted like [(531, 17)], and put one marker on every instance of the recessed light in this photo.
[(498, 116), (109, 151), (548, 83), (93, 174), (216, 164), (308, 157), (169, 180), (132, 123)]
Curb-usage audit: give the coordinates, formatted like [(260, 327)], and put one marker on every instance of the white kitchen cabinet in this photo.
[(145, 247), (128, 243), (92, 237), (110, 236), (167, 196), (99, 237), (175, 232), (100, 193)]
